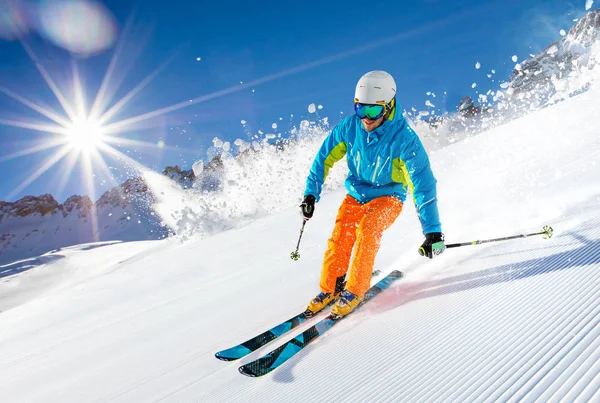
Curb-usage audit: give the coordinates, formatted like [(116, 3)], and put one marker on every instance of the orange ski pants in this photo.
[(358, 226)]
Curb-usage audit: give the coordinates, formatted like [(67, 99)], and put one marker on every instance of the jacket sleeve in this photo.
[(423, 182), (332, 150)]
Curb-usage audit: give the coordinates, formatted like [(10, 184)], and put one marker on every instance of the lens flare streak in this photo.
[(123, 101), (32, 150), (57, 156), (43, 111), (51, 84)]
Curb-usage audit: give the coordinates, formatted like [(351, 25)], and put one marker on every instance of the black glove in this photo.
[(434, 245), (307, 208)]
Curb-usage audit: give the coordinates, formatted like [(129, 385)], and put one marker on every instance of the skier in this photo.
[(386, 160)]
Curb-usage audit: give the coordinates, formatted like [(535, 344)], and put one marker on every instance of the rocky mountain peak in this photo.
[(29, 205), (82, 204), (185, 178), (124, 194)]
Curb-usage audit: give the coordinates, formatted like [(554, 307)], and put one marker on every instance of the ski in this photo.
[(253, 344), (247, 347), (280, 355)]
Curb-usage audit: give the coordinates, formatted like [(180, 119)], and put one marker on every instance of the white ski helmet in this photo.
[(375, 87)]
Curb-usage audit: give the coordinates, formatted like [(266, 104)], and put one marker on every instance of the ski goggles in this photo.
[(369, 111)]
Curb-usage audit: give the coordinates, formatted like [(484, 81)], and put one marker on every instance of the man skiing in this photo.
[(385, 160)]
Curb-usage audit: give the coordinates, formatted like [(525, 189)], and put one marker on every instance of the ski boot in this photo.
[(319, 302), (323, 299), (345, 304)]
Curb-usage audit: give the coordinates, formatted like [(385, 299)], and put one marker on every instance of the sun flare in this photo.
[(85, 135)]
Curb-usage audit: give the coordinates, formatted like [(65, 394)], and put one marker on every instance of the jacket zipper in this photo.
[(375, 172), (384, 164)]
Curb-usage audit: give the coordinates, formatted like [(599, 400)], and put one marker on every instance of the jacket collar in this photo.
[(374, 136)]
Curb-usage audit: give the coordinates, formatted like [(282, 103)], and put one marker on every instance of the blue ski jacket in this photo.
[(389, 161)]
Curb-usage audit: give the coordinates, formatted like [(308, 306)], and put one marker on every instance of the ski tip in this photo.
[(224, 358)]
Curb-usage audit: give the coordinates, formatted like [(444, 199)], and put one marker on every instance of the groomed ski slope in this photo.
[(511, 321)]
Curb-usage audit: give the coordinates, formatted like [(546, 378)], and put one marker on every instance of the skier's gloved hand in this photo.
[(434, 245), (307, 208)]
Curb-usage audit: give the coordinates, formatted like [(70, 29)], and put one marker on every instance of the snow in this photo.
[(562, 32), (473, 85), (515, 58), (477, 65), (588, 4), (274, 126), (320, 106), (34, 234), (507, 321), (552, 50), (429, 104), (217, 142), (312, 108)]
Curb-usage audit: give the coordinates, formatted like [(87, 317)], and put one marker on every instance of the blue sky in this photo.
[(287, 55)]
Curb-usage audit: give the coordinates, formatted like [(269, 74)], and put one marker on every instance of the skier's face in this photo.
[(371, 125)]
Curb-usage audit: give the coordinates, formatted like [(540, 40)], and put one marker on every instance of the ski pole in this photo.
[(295, 255), (547, 232)]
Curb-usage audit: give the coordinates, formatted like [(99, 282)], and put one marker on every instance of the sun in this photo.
[(84, 134)]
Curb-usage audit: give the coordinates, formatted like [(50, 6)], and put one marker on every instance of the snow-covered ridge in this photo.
[(34, 225), (563, 68), (44, 205)]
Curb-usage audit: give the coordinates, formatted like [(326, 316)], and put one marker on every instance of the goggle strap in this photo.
[(392, 109)]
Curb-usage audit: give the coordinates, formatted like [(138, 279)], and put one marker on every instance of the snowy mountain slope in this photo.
[(561, 68), (35, 225), (564, 68), (508, 321)]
